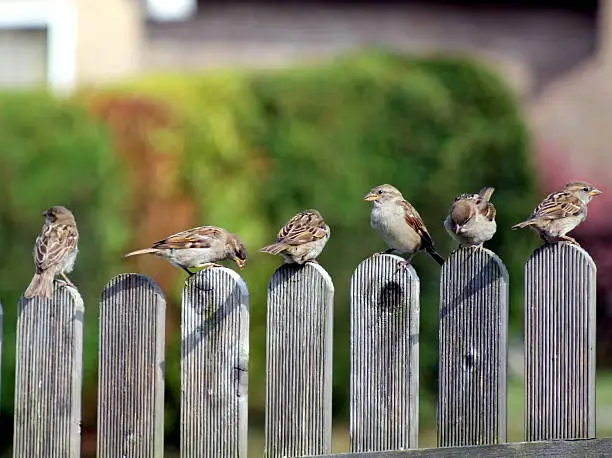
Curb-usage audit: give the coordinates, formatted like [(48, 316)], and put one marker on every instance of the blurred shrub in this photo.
[(246, 151), (53, 153), (257, 147)]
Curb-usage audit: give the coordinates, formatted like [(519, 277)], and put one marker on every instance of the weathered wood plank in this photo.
[(384, 407), (560, 343), (472, 384), (48, 380), (554, 449), (299, 361), (214, 365), (131, 368)]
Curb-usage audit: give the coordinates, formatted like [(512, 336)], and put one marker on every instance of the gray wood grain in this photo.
[(131, 368), (555, 449), (48, 381), (473, 332), (214, 365), (560, 343), (384, 407), (299, 361)]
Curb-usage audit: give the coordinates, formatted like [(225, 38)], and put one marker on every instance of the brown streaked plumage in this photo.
[(561, 212), (302, 239), (198, 247), (55, 251), (471, 220), (399, 224)]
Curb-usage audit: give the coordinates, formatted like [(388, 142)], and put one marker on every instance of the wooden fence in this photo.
[(472, 404)]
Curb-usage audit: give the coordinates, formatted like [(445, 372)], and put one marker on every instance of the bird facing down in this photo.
[(399, 224), (55, 252), (302, 239), (199, 247), (560, 212), (471, 220)]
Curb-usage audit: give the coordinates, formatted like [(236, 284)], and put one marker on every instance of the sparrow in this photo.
[(55, 252), (399, 224), (302, 239), (198, 247), (471, 220), (560, 212)]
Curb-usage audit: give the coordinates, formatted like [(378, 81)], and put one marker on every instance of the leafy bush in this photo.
[(246, 151), (53, 153)]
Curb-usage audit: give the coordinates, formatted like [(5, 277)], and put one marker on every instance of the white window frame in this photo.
[(58, 17)]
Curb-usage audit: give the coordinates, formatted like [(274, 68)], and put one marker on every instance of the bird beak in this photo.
[(241, 263), (370, 197), (595, 192)]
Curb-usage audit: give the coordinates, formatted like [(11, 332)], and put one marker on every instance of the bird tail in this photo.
[(41, 286), (486, 193), (523, 224), (143, 251), (434, 254), (275, 248)]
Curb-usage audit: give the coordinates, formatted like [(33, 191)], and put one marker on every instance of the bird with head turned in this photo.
[(301, 239), (55, 251), (561, 212), (471, 220), (199, 247), (399, 224)]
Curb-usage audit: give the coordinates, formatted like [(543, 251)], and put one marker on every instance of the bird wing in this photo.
[(198, 237), (415, 221), (53, 244), (302, 228), (558, 205)]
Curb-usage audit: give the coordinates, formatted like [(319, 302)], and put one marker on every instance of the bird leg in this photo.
[(67, 280), (210, 265), (567, 238), (312, 261), (189, 272), (387, 251)]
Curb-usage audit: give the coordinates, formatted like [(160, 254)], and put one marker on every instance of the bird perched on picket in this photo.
[(560, 212), (302, 239), (55, 252), (471, 220), (199, 247), (399, 224)]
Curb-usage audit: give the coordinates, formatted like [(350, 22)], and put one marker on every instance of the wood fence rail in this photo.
[(384, 357)]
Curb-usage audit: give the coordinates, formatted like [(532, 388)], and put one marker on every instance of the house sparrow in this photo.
[(471, 220), (199, 247), (399, 224), (560, 212), (302, 239), (55, 252)]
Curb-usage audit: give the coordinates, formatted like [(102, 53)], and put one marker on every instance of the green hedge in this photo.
[(53, 153), (256, 147)]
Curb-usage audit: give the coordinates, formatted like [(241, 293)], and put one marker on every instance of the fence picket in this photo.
[(214, 365), (131, 368), (472, 383), (298, 361), (48, 380), (560, 291), (384, 355)]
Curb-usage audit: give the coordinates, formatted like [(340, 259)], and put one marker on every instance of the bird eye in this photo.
[(380, 191), (585, 189)]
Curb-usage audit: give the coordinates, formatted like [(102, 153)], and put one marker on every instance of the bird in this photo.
[(55, 251), (399, 224), (471, 220), (561, 212), (198, 247), (302, 239)]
